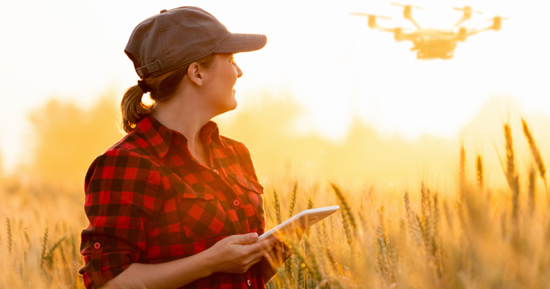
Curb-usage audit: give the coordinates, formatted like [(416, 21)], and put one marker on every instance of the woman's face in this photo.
[(220, 80)]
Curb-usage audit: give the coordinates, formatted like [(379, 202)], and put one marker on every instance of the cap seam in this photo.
[(163, 41), (204, 28)]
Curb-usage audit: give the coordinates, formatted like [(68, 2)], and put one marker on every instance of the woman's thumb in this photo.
[(247, 238)]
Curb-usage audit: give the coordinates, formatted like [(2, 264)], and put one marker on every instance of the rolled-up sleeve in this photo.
[(123, 197)]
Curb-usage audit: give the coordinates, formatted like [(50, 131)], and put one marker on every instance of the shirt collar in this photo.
[(159, 137)]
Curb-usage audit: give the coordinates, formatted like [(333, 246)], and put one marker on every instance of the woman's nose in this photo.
[(239, 71)]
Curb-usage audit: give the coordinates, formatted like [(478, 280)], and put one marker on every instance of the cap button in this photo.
[(163, 10)]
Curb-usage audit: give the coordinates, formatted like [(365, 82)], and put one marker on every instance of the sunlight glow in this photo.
[(326, 59)]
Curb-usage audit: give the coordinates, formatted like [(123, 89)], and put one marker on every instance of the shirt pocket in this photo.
[(201, 213), (253, 191)]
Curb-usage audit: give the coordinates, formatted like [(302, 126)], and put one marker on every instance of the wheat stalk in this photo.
[(44, 245), (73, 244), (413, 230), (301, 261), (383, 250), (424, 200), (277, 206), (328, 248), (347, 231), (419, 232), (394, 258), (55, 245), (362, 217), (462, 169), (461, 218), (534, 150), (479, 172), (383, 256), (436, 214), (10, 237), (511, 172), (300, 264), (310, 205), (288, 269), (293, 200), (402, 232), (448, 216), (532, 189), (314, 264), (346, 210)]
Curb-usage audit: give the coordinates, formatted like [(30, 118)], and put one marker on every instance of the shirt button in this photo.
[(236, 203), (217, 172), (248, 282), (97, 245)]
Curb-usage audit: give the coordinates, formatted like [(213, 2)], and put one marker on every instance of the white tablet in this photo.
[(301, 221)]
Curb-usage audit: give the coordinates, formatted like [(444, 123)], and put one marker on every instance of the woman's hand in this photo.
[(237, 253), (274, 259), (278, 255)]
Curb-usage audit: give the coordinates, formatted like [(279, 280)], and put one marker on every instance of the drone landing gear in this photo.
[(448, 55), (425, 56)]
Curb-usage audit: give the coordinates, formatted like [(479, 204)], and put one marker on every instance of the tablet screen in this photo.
[(300, 221)]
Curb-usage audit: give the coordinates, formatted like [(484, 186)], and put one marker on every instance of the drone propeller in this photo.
[(400, 29), (369, 15), (403, 5), (467, 9), (501, 18)]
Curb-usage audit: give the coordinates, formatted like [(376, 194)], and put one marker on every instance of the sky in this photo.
[(326, 59)]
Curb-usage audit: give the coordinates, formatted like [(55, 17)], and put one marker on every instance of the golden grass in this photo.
[(43, 222), (420, 235)]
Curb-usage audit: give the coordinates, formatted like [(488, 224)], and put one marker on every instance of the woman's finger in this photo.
[(264, 245), (255, 260), (274, 257)]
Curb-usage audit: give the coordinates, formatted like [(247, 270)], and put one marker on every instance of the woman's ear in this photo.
[(196, 74)]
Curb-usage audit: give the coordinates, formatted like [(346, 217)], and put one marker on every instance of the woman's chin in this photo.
[(234, 105), (229, 107)]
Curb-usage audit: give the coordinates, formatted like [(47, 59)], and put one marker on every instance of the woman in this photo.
[(174, 204)]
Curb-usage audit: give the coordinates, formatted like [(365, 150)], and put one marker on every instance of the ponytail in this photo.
[(161, 88), (133, 110)]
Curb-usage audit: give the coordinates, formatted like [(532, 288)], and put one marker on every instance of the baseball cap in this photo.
[(178, 37)]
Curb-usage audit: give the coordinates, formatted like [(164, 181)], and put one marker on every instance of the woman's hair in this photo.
[(162, 88)]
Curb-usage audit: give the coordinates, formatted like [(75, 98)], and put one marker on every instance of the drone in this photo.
[(432, 43)]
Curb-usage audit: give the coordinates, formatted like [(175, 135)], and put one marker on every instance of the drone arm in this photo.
[(398, 34), (481, 30), (414, 22), (385, 29), (460, 21)]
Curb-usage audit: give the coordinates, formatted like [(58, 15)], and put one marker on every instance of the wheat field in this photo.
[(417, 235)]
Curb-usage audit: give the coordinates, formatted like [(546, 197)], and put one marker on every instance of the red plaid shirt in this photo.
[(149, 201)]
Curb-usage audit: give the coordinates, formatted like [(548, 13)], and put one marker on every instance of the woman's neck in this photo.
[(186, 115)]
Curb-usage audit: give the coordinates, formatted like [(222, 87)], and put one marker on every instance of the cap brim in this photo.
[(241, 42)]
